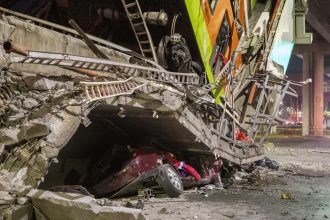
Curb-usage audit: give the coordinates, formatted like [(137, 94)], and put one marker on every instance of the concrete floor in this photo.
[(304, 172)]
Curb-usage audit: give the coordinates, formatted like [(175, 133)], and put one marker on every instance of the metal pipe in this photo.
[(252, 93), (9, 47), (88, 41), (156, 17), (246, 14), (83, 71)]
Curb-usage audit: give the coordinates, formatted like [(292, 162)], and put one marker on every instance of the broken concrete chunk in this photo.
[(21, 190), (21, 212), (2, 148), (22, 200), (13, 108), (6, 198), (62, 128), (39, 83), (45, 84), (58, 206), (70, 102), (75, 110), (30, 103), (41, 112), (4, 185), (49, 152), (12, 182), (40, 165), (17, 116), (67, 85), (8, 136), (32, 130)]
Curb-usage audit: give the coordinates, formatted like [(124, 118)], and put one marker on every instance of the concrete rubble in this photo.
[(51, 113), (57, 206), (31, 132), (41, 108)]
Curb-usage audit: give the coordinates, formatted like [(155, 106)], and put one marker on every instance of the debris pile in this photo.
[(38, 116), (249, 175), (200, 124)]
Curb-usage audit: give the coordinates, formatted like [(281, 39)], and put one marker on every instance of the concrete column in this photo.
[(318, 80), (306, 95)]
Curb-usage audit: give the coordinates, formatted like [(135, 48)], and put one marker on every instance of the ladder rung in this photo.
[(110, 89), (137, 24), (147, 50), (81, 64), (92, 91), (141, 33), (122, 89), (144, 42), (131, 4), (47, 61), (135, 15), (126, 87), (116, 88), (129, 85), (57, 62), (96, 66), (88, 65), (98, 91)]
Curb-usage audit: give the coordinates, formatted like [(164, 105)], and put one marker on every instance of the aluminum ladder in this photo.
[(140, 29), (102, 90), (103, 65)]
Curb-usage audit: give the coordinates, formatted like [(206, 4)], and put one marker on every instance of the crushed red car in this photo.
[(148, 169)]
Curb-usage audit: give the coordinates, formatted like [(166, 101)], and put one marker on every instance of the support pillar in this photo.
[(318, 80), (306, 95)]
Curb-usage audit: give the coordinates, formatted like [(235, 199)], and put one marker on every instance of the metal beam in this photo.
[(318, 20), (315, 47)]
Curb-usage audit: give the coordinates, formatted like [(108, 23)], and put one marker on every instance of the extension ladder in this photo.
[(102, 90), (140, 29), (103, 65)]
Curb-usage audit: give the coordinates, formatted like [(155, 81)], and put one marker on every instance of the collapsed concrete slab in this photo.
[(8, 136), (58, 206), (43, 108), (6, 198), (33, 130), (15, 212), (31, 142)]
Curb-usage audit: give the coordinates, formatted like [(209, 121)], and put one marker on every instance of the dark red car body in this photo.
[(143, 169)]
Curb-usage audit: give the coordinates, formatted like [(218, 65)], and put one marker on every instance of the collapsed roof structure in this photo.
[(197, 79)]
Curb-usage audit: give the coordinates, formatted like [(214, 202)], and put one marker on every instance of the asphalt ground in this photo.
[(304, 173)]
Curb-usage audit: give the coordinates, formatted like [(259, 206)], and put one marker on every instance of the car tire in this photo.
[(170, 181)]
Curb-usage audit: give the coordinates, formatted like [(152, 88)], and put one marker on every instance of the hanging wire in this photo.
[(174, 24)]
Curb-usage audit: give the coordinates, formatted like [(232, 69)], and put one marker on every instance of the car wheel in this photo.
[(170, 181)]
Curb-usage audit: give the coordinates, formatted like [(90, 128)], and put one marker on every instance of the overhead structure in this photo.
[(202, 80)]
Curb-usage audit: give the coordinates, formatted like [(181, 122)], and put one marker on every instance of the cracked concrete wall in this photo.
[(38, 116), (37, 38)]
